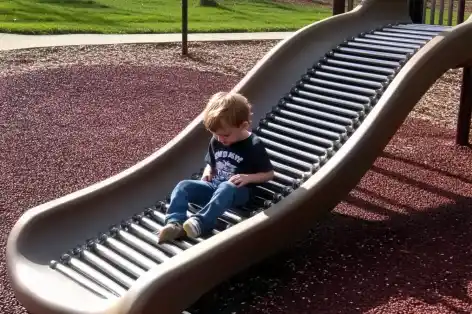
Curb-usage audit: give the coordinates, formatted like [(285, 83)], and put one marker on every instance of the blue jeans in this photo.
[(215, 199)]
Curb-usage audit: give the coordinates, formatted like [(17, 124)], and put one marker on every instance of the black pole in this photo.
[(339, 6), (461, 12), (465, 106), (416, 11), (184, 26), (465, 109)]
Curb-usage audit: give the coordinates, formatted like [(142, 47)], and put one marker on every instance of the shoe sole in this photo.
[(169, 234)]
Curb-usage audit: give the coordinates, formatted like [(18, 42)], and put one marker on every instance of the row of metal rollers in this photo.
[(109, 264), (332, 99)]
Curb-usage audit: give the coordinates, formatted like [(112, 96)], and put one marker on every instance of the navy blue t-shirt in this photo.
[(246, 156)]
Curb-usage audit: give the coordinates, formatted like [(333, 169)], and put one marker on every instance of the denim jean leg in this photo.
[(227, 195), (187, 191)]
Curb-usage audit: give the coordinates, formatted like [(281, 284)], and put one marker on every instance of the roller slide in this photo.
[(326, 102)]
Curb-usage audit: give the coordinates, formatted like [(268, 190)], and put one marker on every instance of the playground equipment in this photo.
[(326, 101)]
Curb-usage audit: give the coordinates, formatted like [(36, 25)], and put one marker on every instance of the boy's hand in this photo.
[(240, 179), (243, 179), (206, 176)]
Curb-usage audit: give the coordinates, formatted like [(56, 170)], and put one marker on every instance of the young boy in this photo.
[(236, 162)]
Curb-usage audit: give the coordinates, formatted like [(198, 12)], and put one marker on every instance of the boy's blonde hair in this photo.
[(223, 108)]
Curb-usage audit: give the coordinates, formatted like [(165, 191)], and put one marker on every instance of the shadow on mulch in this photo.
[(414, 245), (374, 260)]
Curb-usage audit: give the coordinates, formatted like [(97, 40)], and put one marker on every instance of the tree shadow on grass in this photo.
[(83, 12), (84, 4), (229, 5), (347, 264), (67, 14), (279, 5)]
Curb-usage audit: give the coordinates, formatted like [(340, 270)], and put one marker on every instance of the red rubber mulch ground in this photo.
[(400, 243)]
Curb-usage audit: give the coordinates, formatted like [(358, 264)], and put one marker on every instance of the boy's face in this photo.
[(228, 135)]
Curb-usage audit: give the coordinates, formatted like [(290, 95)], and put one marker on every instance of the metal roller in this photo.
[(302, 155), (312, 121), (319, 82), (93, 274), (376, 69), (235, 218), (244, 212), (105, 267), (386, 43), (398, 35), (396, 39), (335, 138), (298, 94), (293, 161), (301, 135), (347, 79), (366, 60), (379, 47), (277, 187), (311, 138), (127, 252), (320, 151), (116, 259), (158, 212), (365, 102), (429, 34), (294, 182), (370, 53), (262, 202), (266, 193), (334, 92), (291, 171), (428, 27), (139, 244), (366, 75), (82, 280)]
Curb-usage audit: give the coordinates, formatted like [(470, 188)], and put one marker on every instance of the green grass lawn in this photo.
[(152, 16)]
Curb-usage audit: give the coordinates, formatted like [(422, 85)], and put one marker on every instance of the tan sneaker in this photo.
[(192, 227), (170, 232)]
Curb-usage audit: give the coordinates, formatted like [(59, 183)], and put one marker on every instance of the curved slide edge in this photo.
[(236, 248)]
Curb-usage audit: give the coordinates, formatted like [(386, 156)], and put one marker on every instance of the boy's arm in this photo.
[(210, 161), (263, 164)]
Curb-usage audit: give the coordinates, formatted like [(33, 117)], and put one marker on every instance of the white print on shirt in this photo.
[(225, 154), (225, 169)]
